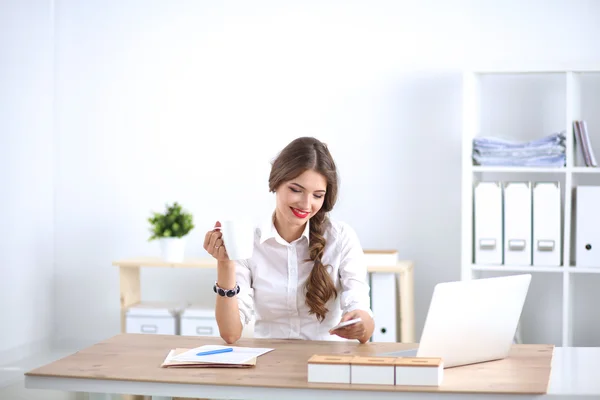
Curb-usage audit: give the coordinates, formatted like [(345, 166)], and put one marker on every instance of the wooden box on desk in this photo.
[(372, 370), (419, 371), (329, 368)]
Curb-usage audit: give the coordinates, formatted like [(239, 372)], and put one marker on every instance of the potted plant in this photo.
[(170, 229)]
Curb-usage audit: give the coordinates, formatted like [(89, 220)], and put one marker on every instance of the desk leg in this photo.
[(407, 307), (130, 290), (129, 284)]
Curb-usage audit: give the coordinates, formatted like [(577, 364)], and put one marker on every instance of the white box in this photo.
[(419, 371), (197, 321), (383, 305), (152, 319), (587, 242), (487, 208), (329, 368), (517, 223), (372, 370), (547, 242)]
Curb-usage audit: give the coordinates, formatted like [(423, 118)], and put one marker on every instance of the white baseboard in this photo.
[(27, 350)]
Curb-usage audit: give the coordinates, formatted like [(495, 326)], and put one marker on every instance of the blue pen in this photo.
[(218, 351)]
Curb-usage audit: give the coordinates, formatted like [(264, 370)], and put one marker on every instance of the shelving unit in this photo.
[(131, 292), (524, 105)]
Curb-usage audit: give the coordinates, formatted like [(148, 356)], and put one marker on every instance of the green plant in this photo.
[(175, 222)]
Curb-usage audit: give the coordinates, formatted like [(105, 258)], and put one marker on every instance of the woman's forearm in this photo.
[(226, 309)]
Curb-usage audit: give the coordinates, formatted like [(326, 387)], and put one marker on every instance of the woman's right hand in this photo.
[(213, 243)]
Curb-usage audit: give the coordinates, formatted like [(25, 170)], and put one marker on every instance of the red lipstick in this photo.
[(299, 213)]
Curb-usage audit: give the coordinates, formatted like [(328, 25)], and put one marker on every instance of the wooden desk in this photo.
[(129, 272), (130, 364)]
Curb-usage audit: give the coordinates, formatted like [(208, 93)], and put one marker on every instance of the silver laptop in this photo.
[(472, 321)]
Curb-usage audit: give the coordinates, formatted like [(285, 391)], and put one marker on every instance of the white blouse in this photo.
[(272, 283)]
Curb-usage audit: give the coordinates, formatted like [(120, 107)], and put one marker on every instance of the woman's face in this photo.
[(301, 198)]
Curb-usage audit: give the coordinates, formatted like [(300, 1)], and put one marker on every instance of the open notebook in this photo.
[(171, 362)]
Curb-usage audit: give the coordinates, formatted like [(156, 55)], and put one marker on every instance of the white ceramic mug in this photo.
[(238, 236)]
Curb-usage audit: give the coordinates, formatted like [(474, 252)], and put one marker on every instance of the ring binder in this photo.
[(487, 241), (517, 223), (546, 224)]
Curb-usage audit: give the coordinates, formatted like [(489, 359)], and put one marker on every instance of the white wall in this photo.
[(163, 101), (26, 178)]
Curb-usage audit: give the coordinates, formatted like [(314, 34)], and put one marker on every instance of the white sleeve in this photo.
[(353, 273), (245, 298)]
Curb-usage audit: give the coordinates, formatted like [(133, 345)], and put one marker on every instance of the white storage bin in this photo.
[(419, 371), (199, 322), (329, 368), (152, 319), (372, 370)]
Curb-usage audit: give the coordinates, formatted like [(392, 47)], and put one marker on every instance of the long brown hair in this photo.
[(302, 154)]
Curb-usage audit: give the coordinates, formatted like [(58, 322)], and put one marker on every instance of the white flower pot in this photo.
[(172, 249)]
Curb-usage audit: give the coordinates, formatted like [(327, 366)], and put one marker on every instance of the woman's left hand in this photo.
[(361, 331)]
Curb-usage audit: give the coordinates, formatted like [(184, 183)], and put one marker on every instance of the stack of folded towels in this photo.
[(548, 151)]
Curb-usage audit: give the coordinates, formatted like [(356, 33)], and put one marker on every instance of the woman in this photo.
[(307, 273)]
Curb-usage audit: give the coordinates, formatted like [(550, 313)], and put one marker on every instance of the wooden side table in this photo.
[(129, 276)]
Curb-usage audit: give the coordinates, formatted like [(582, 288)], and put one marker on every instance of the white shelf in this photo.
[(585, 170), (515, 268), (478, 168), (524, 103), (536, 69), (533, 268), (581, 270), (528, 170)]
